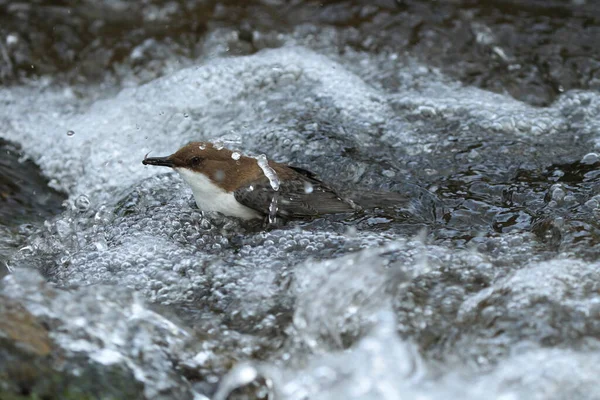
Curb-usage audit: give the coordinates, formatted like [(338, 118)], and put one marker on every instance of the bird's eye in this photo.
[(196, 160)]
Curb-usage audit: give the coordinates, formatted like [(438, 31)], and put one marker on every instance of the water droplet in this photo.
[(218, 145), (185, 115), (70, 133), (235, 155), (308, 187), (273, 208), (202, 146)]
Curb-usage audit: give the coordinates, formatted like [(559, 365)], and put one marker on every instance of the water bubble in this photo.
[(63, 228), (558, 193), (70, 133), (202, 146), (235, 155), (101, 245), (82, 203), (185, 115), (590, 158)]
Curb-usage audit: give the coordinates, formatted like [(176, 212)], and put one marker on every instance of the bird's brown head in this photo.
[(222, 166)]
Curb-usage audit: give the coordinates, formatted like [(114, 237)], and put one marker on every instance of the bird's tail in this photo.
[(415, 201)]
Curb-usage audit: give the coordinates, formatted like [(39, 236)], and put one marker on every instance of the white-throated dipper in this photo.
[(245, 187)]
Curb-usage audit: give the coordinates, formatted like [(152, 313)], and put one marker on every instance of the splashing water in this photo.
[(273, 207), (269, 172), (271, 175), (241, 375)]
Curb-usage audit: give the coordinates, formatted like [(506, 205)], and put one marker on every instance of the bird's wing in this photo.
[(304, 196)]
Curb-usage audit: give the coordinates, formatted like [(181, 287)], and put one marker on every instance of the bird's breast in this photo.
[(211, 197)]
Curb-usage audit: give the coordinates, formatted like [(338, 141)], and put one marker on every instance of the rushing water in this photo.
[(485, 115)]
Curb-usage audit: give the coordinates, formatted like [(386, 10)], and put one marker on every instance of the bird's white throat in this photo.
[(210, 197)]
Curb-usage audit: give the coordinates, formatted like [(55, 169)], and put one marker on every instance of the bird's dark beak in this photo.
[(160, 161)]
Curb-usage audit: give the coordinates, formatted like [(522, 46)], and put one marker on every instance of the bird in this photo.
[(245, 187)]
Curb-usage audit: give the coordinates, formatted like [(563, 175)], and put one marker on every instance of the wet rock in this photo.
[(33, 366), (18, 326), (25, 347), (65, 345), (26, 199), (534, 50), (25, 196), (546, 305), (81, 42)]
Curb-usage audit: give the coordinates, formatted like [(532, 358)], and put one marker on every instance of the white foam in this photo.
[(113, 135)]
